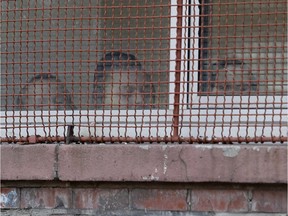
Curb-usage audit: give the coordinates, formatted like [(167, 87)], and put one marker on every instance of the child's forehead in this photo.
[(124, 67)]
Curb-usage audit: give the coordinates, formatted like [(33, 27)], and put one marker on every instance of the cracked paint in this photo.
[(164, 147), (204, 146), (165, 167), (231, 151), (152, 176), (145, 147), (256, 148)]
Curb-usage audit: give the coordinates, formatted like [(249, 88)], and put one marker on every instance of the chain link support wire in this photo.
[(134, 71)]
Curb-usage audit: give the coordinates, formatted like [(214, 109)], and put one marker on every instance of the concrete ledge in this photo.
[(144, 163), (30, 162), (174, 163)]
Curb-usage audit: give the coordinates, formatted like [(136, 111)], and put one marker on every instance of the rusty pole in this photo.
[(177, 70)]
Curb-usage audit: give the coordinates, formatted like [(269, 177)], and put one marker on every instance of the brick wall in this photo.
[(90, 199), (143, 180)]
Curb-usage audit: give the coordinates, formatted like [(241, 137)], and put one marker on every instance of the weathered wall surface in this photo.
[(144, 180)]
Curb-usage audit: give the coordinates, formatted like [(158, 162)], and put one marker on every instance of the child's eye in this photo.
[(221, 88), (242, 87), (130, 89)]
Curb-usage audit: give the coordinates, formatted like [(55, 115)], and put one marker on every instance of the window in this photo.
[(149, 70), (239, 88)]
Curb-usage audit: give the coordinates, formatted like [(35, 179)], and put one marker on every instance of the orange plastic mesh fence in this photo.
[(134, 71)]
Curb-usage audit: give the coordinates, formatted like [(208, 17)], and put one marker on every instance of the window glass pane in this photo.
[(51, 50), (244, 48), (141, 28)]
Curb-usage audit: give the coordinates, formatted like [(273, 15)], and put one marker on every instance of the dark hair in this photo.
[(109, 60)]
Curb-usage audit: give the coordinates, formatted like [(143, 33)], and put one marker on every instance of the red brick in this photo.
[(30, 162), (219, 200), (46, 198), (102, 199), (159, 199), (9, 198), (269, 201), (60, 214), (65, 214)]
